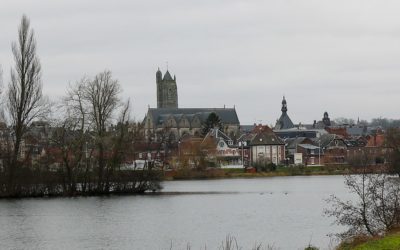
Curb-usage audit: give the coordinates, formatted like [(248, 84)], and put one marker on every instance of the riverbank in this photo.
[(388, 242), (219, 173)]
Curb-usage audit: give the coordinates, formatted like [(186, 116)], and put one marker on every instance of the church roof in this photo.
[(284, 122), (167, 76), (227, 115)]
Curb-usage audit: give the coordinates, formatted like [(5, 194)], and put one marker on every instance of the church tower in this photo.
[(326, 120), (284, 121), (167, 92)]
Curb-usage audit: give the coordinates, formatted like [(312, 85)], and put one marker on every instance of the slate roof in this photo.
[(247, 128), (292, 142), (226, 115), (167, 76), (284, 122), (355, 131), (294, 132), (265, 138), (326, 139)]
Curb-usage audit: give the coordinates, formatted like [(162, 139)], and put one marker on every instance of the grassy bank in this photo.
[(389, 242), (292, 171), (217, 173)]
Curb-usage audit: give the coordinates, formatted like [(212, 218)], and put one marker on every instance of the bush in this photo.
[(265, 167), (374, 211)]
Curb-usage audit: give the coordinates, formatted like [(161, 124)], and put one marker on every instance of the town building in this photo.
[(334, 148), (285, 128), (169, 122), (265, 146), (227, 153)]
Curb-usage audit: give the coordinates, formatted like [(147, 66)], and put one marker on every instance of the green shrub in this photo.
[(263, 166)]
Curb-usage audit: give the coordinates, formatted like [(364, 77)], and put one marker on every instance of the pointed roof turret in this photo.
[(284, 121), (158, 75), (326, 121), (168, 76)]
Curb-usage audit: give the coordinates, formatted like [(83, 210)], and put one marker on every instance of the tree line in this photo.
[(384, 123), (84, 143)]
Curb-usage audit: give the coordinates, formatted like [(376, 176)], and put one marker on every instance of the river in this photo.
[(284, 212)]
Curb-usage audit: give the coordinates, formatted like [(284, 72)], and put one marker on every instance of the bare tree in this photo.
[(90, 109), (375, 208), (118, 145), (25, 99), (102, 99), (71, 137), (393, 149)]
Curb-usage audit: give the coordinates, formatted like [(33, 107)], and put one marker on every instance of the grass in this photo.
[(218, 173), (230, 243), (291, 171), (389, 242)]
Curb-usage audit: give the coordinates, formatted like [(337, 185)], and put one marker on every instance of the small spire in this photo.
[(284, 105)]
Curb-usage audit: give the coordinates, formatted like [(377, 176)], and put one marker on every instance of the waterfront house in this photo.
[(266, 146)]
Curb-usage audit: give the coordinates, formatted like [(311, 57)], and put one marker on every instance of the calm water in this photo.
[(282, 211)]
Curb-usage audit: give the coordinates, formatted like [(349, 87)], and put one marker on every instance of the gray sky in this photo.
[(338, 56)]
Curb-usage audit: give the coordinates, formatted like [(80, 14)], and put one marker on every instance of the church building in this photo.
[(170, 120), (167, 92), (284, 121)]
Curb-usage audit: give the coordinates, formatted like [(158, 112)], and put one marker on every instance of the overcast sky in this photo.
[(337, 56)]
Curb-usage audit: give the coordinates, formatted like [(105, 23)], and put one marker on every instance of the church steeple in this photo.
[(284, 105), (284, 122), (167, 92)]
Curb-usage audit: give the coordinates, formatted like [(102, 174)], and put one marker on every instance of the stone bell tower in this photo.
[(167, 91)]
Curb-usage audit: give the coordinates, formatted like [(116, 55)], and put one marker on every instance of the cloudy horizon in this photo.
[(336, 56)]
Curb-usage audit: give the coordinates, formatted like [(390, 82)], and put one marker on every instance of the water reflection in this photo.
[(268, 211)]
